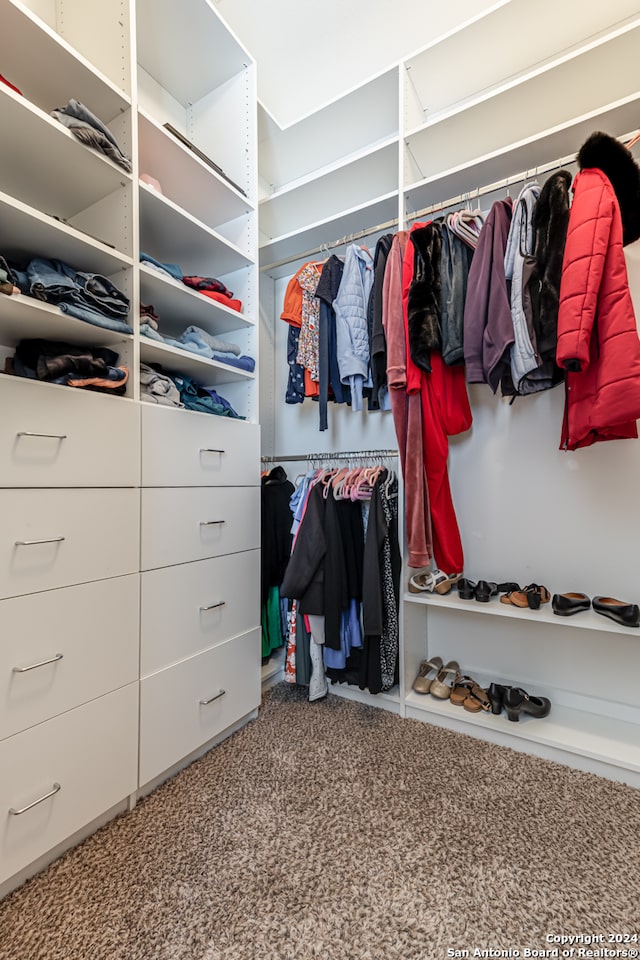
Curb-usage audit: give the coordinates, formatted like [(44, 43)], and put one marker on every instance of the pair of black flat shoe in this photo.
[(483, 590), (567, 604), (517, 702)]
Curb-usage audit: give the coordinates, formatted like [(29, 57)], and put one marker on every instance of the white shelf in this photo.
[(205, 372), (588, 620), (172, 235), (25, 232), (529, 105), (185, 178), (426, 68), (192, 62), (43, 164), (369, 214), (525, 155), (48, 70), (173, 298), (604, 739), (23, 317)]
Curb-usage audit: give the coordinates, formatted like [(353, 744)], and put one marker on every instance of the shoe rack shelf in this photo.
[(594, 722)]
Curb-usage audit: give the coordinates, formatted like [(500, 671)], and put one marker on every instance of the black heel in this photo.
[(517, 701), (513, 714), (496, 694)]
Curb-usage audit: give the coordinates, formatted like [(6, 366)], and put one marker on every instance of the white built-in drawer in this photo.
[(184, 448), (56, 538), (89, 753), (181, 524), (52, 436), (188, 704), (65, 647), (191, 607)]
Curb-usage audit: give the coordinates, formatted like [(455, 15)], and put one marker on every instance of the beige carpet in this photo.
[(339, 831)]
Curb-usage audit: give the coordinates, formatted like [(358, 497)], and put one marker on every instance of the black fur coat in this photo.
[(617, 163), (423, 305)]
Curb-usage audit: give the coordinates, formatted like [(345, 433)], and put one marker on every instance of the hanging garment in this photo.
[(598, 341), (488, 328), (329, 372), (455, 261), (406, 409), (308, 346), (350, 307), (520, 246), (541, 279), (379, 398), (275, 528), (424, 295)]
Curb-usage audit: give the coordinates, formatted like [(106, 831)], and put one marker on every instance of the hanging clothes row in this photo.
[(342, 579)]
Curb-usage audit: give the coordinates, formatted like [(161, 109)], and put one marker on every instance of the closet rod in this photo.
[(342, 455), (629, 139)]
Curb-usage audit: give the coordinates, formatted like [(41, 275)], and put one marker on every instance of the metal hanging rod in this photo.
[(630, 139), (341, 455)]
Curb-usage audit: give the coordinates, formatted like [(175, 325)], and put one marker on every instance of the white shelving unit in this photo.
[(473, 113), (76, 464)]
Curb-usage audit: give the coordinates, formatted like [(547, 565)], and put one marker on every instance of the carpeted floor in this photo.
[(339, 831)]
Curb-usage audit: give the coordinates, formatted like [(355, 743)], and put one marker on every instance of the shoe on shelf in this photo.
[(443, 683), (466, 589), (566, 604), (496, 694), (508, 586), (477, 700), (627, 614), (460, 690), (485, 589), (517, 702), (427, 673), (530, 596), (434, 581)]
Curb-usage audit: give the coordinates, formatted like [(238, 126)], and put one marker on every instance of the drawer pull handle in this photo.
[(211, 450), (48, 436), (211, 523), (217, 696), (30, 543), (42, 663), (30, 806), (213, 606)]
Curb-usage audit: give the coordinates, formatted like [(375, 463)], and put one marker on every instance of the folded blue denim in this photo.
[(190, 347), (89, 315), (216, 344), (243, 362), (171, 268)]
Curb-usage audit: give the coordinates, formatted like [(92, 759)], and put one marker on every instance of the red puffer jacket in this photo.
[(598, 341)]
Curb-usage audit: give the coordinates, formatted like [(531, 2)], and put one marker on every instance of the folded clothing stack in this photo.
[(86, 296), (176, 390), (87, 128), (207, 286), (198, 341), (92, 368)]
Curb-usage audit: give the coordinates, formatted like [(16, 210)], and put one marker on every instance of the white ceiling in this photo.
[(310, 53)]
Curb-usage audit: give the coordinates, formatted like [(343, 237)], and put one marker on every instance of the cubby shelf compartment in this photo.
[(174, 298), (26, 232), (185, 178), (524, 156), (494, 608), (530, 104), (44, 165), (48, 70), (604, 739), (171, 235), (174, 360), (23, 317)]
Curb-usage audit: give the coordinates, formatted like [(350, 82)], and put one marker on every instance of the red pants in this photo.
[(445, 412)]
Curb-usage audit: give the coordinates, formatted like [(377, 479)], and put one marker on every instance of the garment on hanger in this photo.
[(455, 262), (520, 246), (379, 397), (350, 307), (424, 294), (308, 346), (329, 372)]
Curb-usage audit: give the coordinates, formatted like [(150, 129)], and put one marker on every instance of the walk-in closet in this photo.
[(319, 601)]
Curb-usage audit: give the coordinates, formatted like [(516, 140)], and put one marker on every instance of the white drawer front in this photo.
[(92, 534), (183, 448), (91, 752), (173, 719), (175, 621), (65, 647), (51, 436), (182, 524)]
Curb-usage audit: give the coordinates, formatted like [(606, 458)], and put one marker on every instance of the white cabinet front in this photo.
[(183, 448), (60, 775), (61, 648), (190, 703), (183, 524), (52, 437), (56, 538), (191, 607)]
